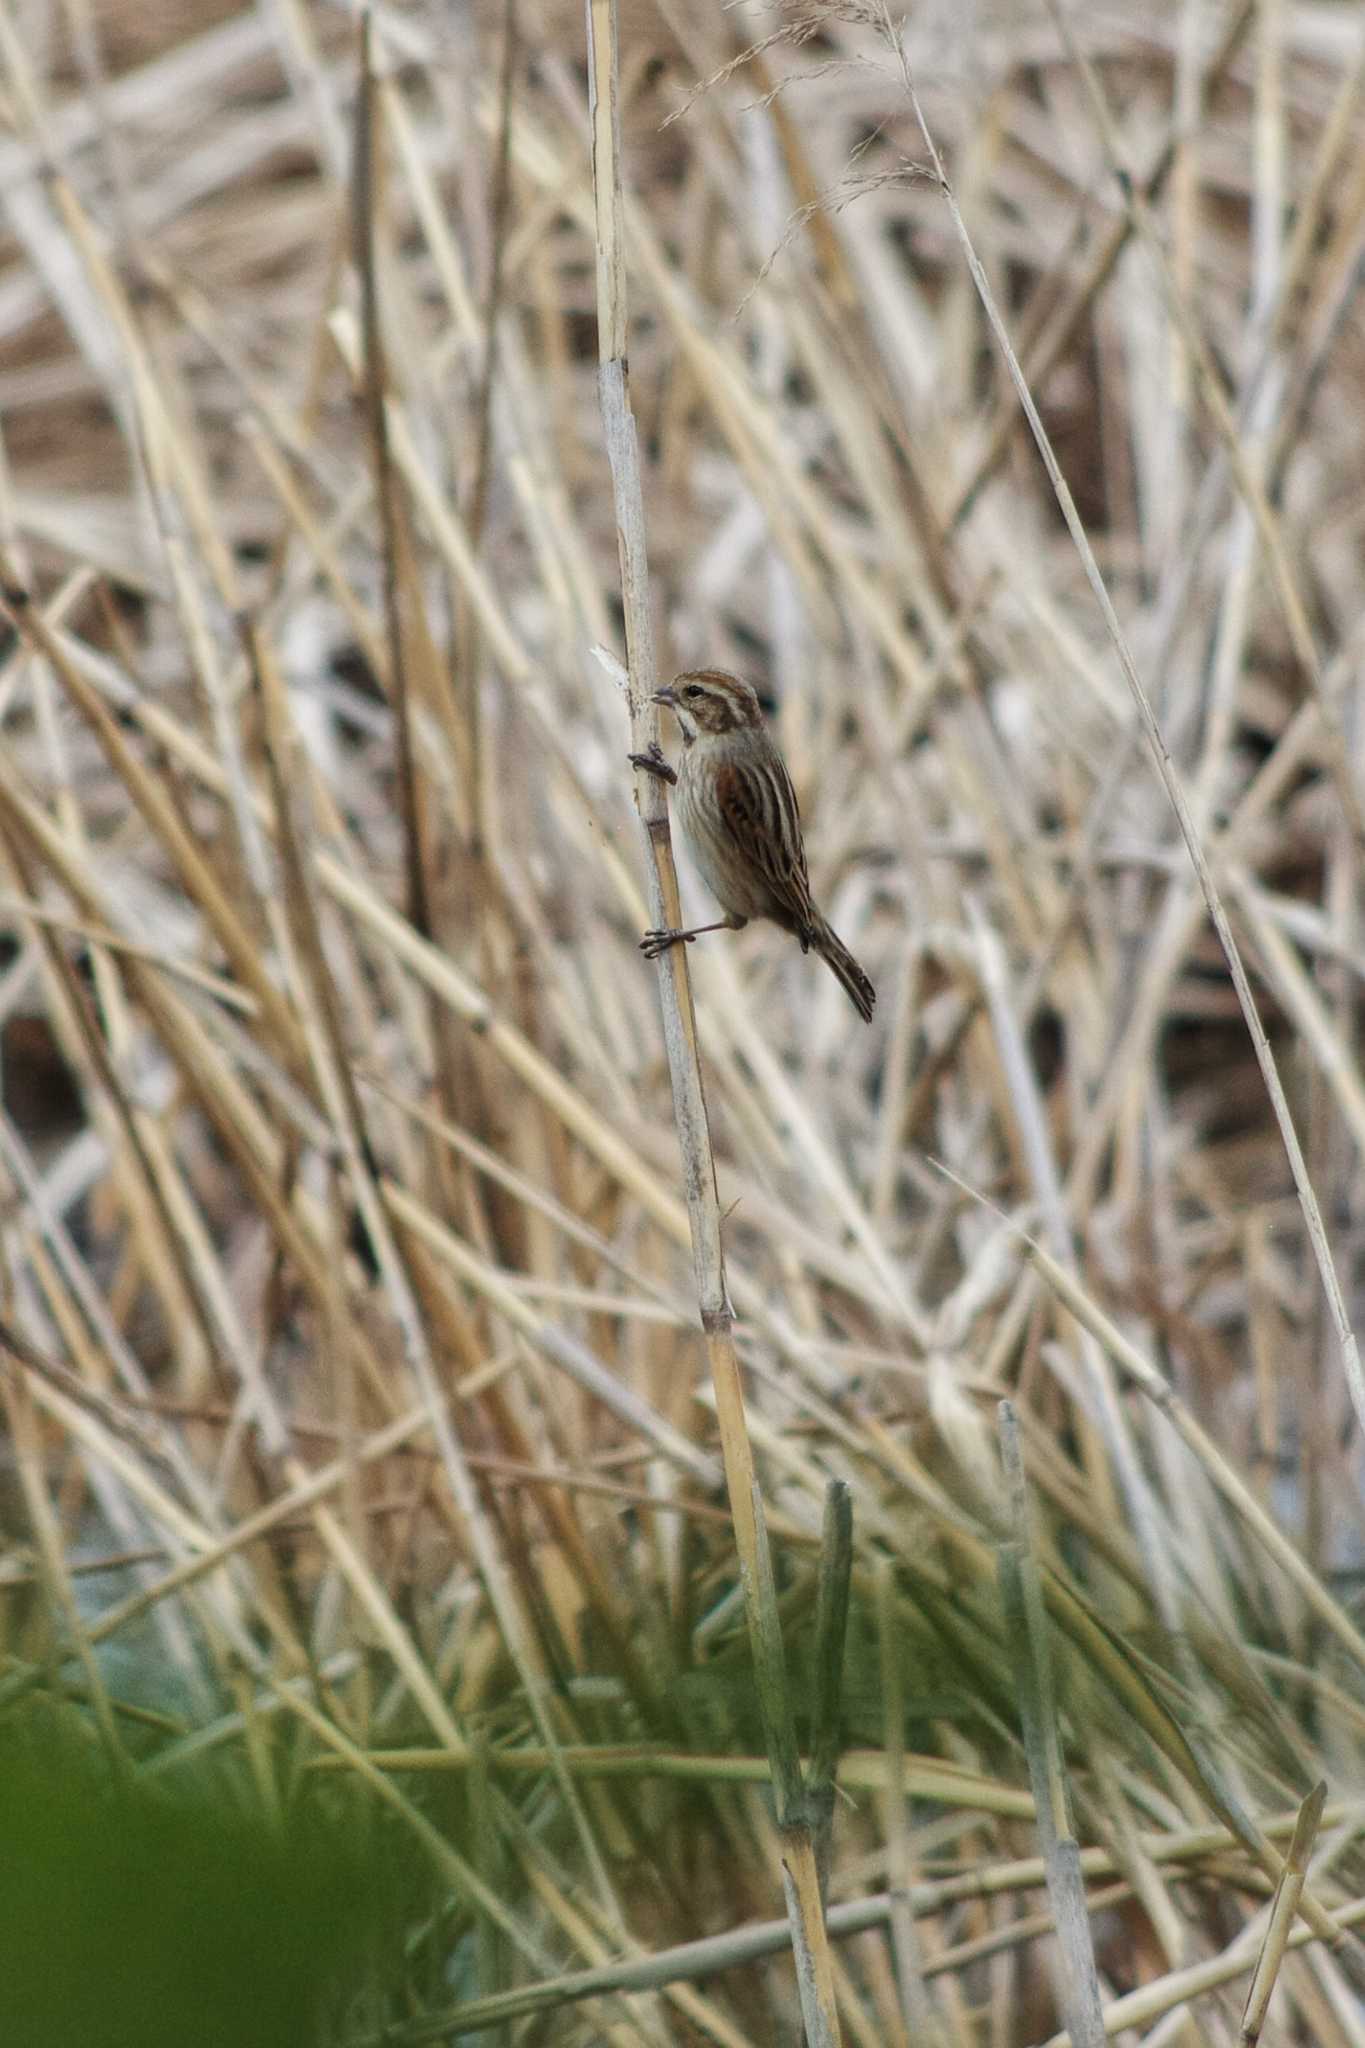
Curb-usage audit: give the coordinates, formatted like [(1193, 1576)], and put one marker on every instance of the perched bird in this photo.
[(738, 812)]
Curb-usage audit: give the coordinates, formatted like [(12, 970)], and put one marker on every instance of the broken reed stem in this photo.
[(917, 2010), (810, 1941), (831, 1630), (1026, 1628), (1283, 1909)]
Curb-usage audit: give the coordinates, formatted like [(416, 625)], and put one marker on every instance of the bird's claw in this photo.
[(656, 942), (652, 762)]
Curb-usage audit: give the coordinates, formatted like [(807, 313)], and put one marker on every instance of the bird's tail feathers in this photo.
[(831, 948)]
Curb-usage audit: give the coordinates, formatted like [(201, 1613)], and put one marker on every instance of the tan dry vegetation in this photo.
[(348, 1311)]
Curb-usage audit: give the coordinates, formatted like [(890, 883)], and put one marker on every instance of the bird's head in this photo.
[(707, 702)]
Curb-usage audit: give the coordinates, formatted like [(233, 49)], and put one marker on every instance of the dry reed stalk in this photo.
[(1025, 1618), (800, 1875), (1282, 1914)]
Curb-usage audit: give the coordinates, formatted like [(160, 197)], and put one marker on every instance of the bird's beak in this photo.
[(668, 695)]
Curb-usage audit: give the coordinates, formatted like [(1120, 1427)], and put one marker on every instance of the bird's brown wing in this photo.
[(758, 811)]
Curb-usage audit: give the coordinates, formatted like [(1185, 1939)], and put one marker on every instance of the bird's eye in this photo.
[(694, 690)]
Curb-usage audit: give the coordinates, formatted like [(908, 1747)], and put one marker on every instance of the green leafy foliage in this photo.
[(136, 1917)]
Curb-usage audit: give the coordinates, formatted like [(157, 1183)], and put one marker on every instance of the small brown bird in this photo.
[(738, 811)]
